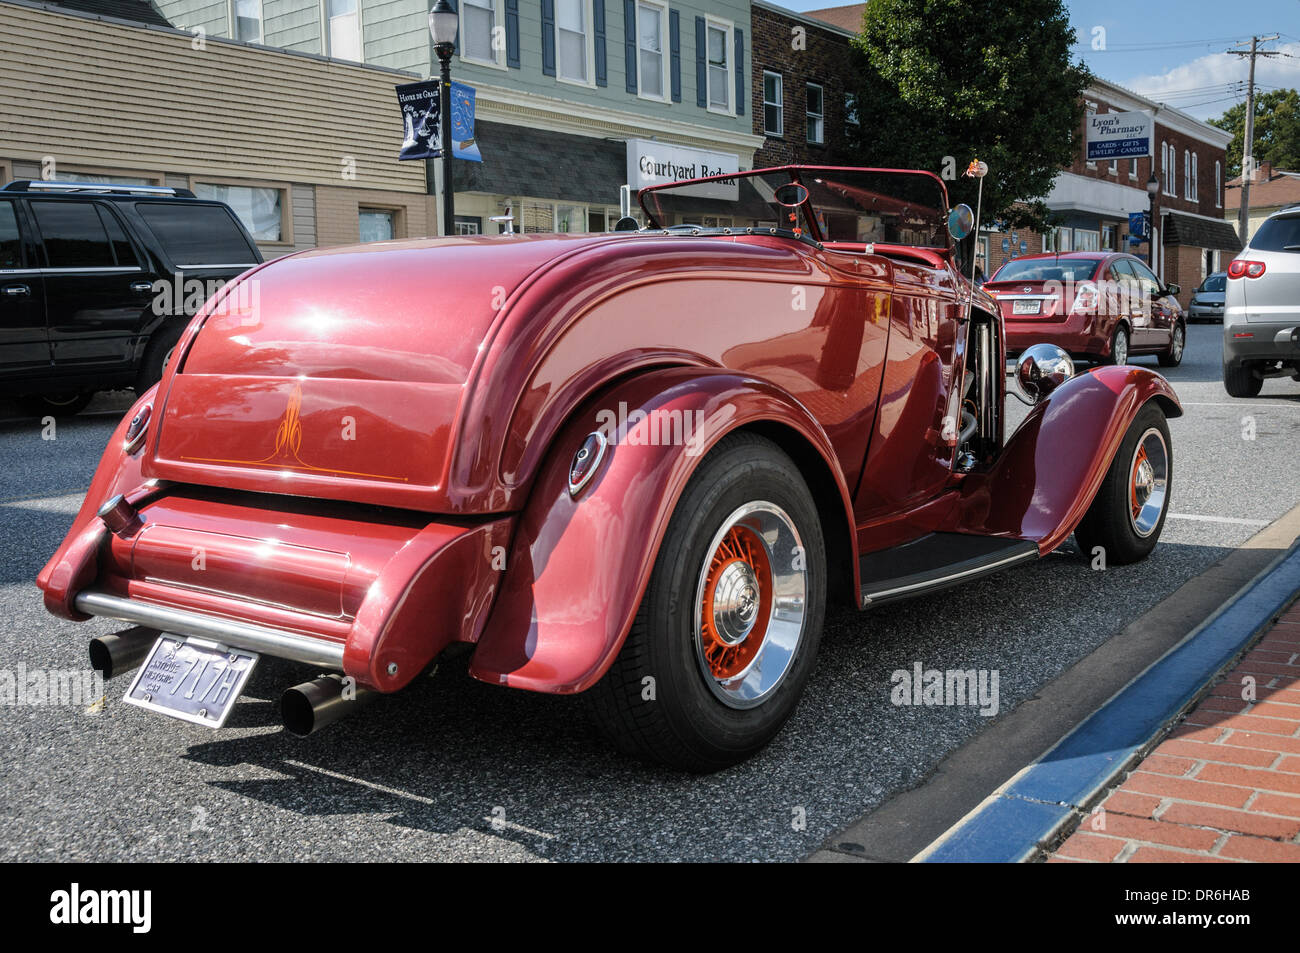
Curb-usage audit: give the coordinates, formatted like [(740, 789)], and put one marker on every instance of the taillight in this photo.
[(1241, 268), (136, 429), (1086, 299)]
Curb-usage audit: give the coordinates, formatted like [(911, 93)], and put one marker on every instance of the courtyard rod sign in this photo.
[(655, 163), (1119, 135)]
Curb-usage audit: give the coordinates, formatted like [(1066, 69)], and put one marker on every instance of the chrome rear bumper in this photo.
[(254, 638)]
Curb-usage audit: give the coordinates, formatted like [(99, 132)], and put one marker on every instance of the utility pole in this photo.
[(1248, 143)]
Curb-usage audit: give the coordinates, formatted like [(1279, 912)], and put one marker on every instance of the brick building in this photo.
[(801, 105), (1091, 201)]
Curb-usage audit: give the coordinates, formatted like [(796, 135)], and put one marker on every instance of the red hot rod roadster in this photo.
[(633, 465)]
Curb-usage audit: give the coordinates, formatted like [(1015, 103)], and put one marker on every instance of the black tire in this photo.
[(1174, 356), (55, 405), (156, 353), (686, 725), (1120, 331), (1108, 522), (1240, 381)]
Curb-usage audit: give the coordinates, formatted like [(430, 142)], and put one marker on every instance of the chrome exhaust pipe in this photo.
[(113, 655), (309, 707)]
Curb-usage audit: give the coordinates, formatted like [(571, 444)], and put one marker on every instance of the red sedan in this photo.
[(1099, 306)]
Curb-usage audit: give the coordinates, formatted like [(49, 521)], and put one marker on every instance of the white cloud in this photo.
[(1208, 86)]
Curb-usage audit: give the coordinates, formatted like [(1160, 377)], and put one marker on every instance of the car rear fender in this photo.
[(75, 562), (579, 566), (1051, 468)]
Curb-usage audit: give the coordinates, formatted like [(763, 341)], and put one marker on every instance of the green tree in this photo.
[(1277, 130), (940, 82)]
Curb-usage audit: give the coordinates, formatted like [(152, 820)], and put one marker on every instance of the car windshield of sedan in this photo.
[(822, 203), (1046, 269)]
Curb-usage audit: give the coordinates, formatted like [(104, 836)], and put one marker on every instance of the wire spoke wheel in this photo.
[(750, 604)]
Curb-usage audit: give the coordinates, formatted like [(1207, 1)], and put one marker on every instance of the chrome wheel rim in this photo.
[(1148, 482), (1177, 350), (750, 604), (1121, 348)]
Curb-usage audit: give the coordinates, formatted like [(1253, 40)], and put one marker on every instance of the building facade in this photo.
[(801, 106), (1092, 201), (574, 98), (303, 148)]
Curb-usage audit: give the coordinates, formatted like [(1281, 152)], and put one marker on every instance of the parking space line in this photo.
[(381, 788), (1236, 521)]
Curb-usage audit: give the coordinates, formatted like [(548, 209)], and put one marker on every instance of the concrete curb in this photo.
[(1034, 807)]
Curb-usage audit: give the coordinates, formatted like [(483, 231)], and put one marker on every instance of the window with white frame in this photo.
[(816, 114), (652, 64), (1085, 239), (376, 224), (1133, 169), (479, 20), (718, 50), (1196, 178), (1187, 173), (246, 20), (851, 108), (344, 33), (1114, 167), (1218, 184), (773, 104), (573, 40)]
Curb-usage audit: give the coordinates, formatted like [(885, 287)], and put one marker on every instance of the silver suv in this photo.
[(1261, 316)]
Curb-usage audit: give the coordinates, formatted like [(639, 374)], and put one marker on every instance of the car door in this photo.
[(1159, 316), (97, 295), (24, 339)]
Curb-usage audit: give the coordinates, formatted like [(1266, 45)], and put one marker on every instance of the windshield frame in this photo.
[(812, 229)]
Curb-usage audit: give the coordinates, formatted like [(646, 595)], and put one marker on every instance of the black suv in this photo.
[(97, 282)]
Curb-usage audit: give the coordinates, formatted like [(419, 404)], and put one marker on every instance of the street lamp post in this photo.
[(443, 24), (1153, 186)]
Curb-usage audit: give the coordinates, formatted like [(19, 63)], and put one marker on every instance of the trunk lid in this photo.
[(339, 373)]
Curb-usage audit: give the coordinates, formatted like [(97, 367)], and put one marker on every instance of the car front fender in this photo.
[(1052, 466), (579, 566)]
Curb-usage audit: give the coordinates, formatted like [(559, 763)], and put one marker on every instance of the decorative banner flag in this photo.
[(420, 113), (463, 144)]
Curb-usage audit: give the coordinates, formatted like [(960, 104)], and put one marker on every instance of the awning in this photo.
[(542, 164), (1197, 232)]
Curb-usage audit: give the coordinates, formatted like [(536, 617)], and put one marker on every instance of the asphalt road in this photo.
[(457, 770)]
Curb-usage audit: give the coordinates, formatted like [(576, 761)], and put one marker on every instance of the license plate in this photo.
[(1025, 307), (192, 679)]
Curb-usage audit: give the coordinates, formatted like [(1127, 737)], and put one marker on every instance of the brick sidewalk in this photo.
[(1224, 787)]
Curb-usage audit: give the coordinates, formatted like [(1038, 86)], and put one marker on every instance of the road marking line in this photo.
[(382, 788), (1217, 519), (1226, 403)]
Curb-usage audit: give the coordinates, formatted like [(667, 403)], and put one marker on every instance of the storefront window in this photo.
[(376, 224), (259, 208), (1109, 234), (537, 218), (570, 218), (469, 225), (1086, 240)]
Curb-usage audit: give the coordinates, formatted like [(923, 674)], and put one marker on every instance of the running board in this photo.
[(936, 561)]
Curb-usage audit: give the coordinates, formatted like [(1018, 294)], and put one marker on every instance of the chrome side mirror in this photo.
[(961, 221), (1041, 369)]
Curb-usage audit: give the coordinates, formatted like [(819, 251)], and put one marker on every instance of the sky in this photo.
[(1173, 51)]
